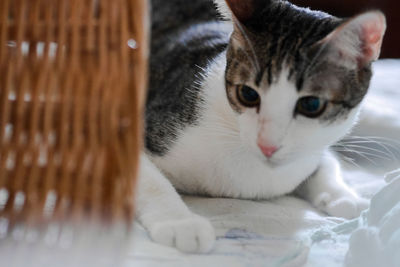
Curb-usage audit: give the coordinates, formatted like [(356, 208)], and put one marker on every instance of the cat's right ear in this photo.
[(241, 10)]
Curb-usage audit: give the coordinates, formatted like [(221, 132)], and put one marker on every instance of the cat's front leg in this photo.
[(168, 220), (327, 191)]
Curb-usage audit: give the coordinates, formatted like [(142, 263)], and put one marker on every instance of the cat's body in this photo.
[(203, 138)]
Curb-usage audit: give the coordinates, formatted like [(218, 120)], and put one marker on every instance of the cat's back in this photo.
[(172, 15), (186, 37)]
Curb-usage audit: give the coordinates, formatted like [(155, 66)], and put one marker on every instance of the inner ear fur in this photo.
[(358, 39), (241, 10)]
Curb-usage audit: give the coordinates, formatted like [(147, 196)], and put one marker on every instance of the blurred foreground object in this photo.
[(72, 83)]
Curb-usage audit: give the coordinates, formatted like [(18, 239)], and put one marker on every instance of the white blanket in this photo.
[(288, 231)]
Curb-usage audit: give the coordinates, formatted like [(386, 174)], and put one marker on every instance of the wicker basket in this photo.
[(72, 83)]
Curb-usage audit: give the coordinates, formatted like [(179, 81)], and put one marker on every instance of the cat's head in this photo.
[(295, 77)]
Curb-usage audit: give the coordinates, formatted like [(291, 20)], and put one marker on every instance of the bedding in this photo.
[(288, 231)]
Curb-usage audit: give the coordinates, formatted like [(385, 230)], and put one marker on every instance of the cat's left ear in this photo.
[(241, 10), (357, 40)]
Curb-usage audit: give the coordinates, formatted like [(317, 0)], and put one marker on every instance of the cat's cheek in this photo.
[(248, 128)]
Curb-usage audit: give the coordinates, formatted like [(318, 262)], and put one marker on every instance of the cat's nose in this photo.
[(268, 151)]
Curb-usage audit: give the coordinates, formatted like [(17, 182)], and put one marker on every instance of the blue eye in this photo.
[(311, 106), (248, 96)]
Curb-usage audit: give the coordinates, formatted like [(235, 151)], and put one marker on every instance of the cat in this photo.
[(245, 99)]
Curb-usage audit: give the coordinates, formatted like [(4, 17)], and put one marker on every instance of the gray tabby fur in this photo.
[(185, 38)]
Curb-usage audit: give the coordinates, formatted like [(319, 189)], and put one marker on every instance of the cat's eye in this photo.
[(311, 106), (248, 96)]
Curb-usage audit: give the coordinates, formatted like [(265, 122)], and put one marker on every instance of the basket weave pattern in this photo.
[(72, 77)]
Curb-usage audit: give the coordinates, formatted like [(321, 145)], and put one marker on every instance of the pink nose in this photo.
[(268, 151)]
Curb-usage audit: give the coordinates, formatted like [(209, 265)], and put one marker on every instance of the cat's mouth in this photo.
[(272, 162)]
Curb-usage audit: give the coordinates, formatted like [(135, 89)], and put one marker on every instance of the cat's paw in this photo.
[(192, 234), (347, 207)]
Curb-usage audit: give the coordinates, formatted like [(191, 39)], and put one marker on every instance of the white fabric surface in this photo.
[(378, 233), (288, 231)]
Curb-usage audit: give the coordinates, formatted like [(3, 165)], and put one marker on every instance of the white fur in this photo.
[(161, 210), (327, 191), (223, 9), (219, 157)]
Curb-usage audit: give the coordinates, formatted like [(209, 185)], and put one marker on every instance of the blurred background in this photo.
[(348, 8)]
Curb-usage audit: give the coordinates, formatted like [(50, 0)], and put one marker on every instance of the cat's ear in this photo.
[(358, 40), (242, 10), (223, 9)]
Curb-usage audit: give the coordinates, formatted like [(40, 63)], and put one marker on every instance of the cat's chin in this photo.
[(273, 163)]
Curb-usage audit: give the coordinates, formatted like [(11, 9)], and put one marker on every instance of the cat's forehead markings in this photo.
[(259, 77), (300, 82), (244, 74)]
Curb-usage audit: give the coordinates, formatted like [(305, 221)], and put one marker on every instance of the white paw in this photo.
[(347, 207), (192, 234)]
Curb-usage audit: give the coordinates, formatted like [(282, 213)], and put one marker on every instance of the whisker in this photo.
[(223, 131), (385, 143), (374, 138), (374, 155), (384, 146), (352, 161), (372, 150), (360, 154)]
